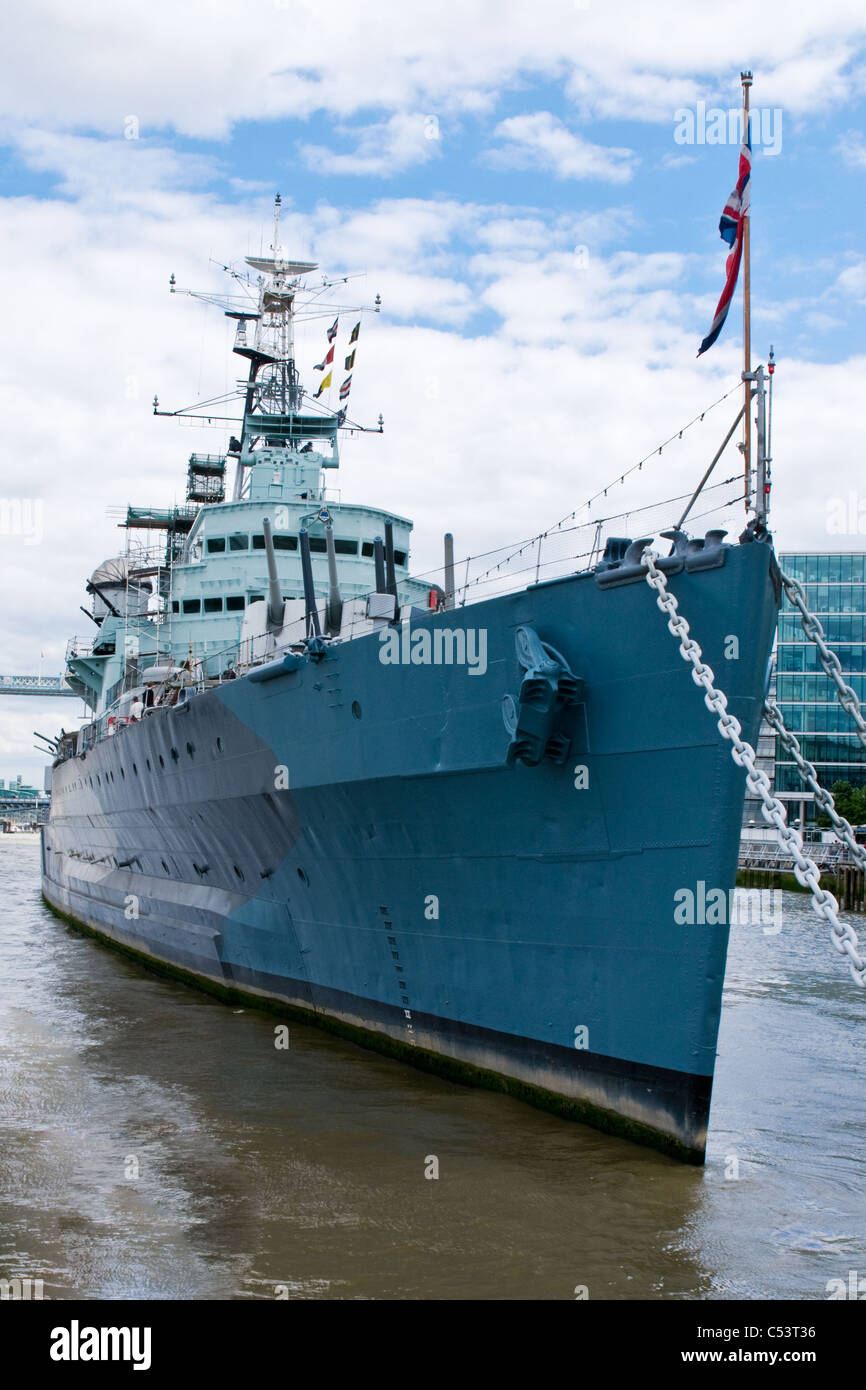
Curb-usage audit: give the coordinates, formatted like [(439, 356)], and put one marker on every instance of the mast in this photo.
[(746, 80), (285, 328), (273, 413), (273, 387)]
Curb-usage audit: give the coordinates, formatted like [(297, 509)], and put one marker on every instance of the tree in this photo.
[(850, 803)]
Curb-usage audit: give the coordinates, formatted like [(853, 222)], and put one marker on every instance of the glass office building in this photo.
[(835, 588)]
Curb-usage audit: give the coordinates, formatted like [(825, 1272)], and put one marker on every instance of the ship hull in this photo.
[(350, 841)]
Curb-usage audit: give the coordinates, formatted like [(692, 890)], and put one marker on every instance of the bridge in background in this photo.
[(23, 812), (35, 685)]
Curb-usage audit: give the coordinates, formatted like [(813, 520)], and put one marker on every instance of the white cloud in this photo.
[(852, 148), (676, 161), (541, 142), (200, 69), (412, 295), (381, 150), (851, 283), (394, 231), (525, 231), (821, 322), (108, 169)]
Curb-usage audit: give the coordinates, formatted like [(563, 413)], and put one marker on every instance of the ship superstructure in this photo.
[(194, 591)]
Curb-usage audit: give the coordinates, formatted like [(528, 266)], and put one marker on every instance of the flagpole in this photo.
[(746, 80)]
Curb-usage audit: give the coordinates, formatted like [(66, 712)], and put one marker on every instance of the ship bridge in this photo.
[(283, 455), (296, 429)]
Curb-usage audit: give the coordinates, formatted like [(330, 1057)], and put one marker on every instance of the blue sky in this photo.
[(516, 371), (807, 197)]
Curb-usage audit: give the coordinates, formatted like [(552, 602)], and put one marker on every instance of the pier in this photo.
[(763, 864)]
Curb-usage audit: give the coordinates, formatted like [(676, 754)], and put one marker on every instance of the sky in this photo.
[(534, 191)]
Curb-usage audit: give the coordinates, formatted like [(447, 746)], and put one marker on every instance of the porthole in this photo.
[(135, 768), (219, 745), (174, 754), (190, 748), (164, 865), (161, 760), (356, 709), (147, 762), (239, 872), (303, 877)]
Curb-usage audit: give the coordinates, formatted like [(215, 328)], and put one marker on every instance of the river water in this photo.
[(154, 1143)]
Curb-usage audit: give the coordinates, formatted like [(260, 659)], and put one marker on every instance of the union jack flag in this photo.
[(731, 225)]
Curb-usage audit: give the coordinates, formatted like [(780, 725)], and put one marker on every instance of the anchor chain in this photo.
[(823, 798), (829, 660), (843, 937)]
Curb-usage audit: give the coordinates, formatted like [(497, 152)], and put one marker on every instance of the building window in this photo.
[(317, 543), (256, 598), (346, 547), (235, 603), (216, 545), (835, 590), (258, 542), (175, 606), (192, 605), (213, 605), (367, 548), (239, 542)]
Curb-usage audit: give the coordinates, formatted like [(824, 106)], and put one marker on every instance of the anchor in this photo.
[(548, 688)]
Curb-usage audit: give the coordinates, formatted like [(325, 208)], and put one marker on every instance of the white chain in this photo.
[(807, 873), (829, 660), (809, 777)]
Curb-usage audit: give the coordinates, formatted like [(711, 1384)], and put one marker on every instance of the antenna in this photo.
[(270, 308), (768, 447), (277, 205)]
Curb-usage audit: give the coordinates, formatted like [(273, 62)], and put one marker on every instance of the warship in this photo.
[(452, 828)]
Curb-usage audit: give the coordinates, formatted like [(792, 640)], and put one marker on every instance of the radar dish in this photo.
[(277, 266), (111, 572)]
